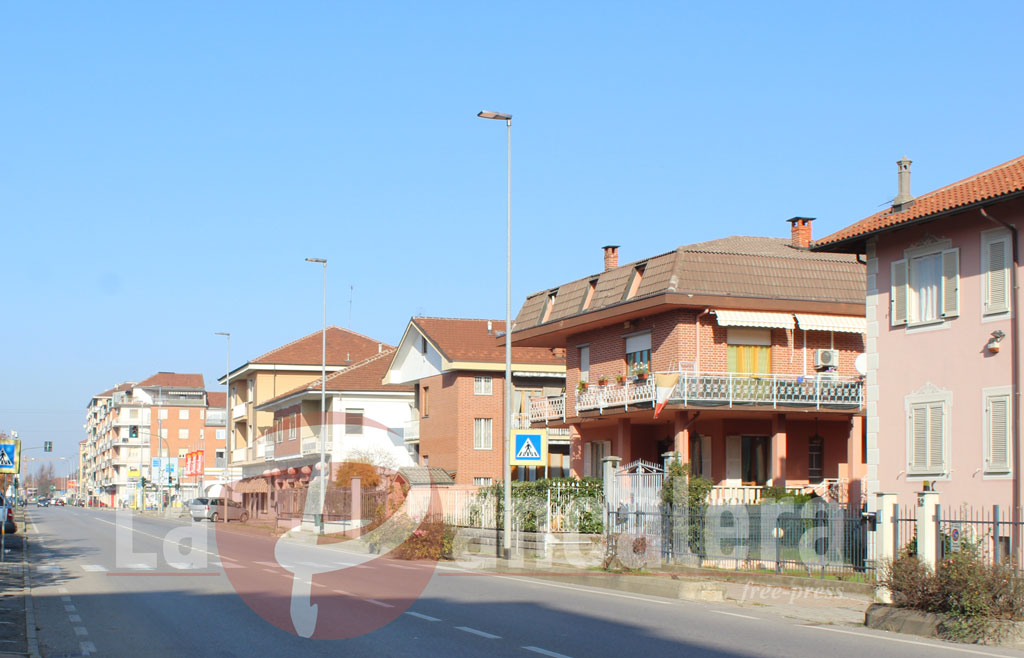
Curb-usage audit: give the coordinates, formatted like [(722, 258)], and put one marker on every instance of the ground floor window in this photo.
[(755, 460)]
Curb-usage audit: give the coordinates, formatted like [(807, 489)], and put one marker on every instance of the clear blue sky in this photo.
[(165, 167)]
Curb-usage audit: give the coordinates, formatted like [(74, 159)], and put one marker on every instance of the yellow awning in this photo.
[(764, 319), (850, 324)]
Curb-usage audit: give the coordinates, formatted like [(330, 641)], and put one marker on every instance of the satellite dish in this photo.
[(861, 363)]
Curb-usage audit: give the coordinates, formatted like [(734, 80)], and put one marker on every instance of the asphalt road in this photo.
[(104, 585)]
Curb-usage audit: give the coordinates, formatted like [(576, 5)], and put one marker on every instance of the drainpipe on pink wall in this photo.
[(1014, 376)]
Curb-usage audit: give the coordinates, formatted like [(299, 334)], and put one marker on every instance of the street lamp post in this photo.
[(227, 424), (323, 393), (507, 474)]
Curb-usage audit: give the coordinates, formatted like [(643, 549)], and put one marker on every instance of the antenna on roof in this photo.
[(351, 291)]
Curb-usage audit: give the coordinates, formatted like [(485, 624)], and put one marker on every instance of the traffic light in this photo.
[(133, 432), (142, 481), (47, 446)]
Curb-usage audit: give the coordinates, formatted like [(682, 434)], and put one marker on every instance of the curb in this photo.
[(31, 638), (885, 617)]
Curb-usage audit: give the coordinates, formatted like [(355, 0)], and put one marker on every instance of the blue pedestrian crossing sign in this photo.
[(529, 448), (10, 456)]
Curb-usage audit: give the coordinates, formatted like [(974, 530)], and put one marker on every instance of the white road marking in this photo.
[(66, 599), (734, 614), (62, 590), (80, 630), (275, 565), (75, 619), (88, 648), (70, 608), (340, 591), (582, 589), (545, 652), (896, 639), (139, 565), (467, 629), (94, 567), (380, 603), (421, 616), (48, 568), (231, 565)]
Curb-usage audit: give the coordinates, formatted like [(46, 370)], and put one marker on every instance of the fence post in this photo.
[(884, 544), (927, 527), (996, 548), (608, 467)]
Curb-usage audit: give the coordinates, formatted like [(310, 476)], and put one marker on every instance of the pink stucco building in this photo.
[(942, 338)]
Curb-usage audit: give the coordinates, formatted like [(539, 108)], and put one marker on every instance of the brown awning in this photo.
[(254, 485)]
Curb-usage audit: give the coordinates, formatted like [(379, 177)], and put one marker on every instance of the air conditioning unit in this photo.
[(826, 358)]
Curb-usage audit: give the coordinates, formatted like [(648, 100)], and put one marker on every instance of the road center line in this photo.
[(474, 631), (902, 641), (545, 652), (582, 589), (421, 616), (734, 614)]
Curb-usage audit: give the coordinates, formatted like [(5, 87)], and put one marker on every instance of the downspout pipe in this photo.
[(1014, 372)]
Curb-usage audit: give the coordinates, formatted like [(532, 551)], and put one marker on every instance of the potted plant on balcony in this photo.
[(602, 380), (582, 386), (620, 378), (642, 376)]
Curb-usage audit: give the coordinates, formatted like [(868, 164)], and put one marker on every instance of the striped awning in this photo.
[(850, 324), (764, 319), (254, 485)]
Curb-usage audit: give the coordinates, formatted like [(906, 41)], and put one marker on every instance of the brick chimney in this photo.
[(903, 196), (611, 257), (801, 232)]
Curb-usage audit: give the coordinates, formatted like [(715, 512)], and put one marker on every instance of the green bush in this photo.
[(530, 503), (975, 594)]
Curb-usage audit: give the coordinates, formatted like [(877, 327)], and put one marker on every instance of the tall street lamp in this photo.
[(323, 394), (507, 475), (227, 424)]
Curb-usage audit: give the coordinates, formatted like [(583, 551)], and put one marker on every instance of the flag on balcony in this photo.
[(663, 386)]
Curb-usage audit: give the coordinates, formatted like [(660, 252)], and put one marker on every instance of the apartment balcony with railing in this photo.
[(730, 390)]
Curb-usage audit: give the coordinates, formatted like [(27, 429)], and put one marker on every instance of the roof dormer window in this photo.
[(634, 282)]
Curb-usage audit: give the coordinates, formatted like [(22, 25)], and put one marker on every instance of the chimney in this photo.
[(801, 232), (490, 327), (380, 348), (903, 197), (611, 257)]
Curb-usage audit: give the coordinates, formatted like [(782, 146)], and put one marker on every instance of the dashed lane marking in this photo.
[(735, 614), (380, 603), (489, 636), (545, 652), (421, 616), (901, 641), (94, 567)]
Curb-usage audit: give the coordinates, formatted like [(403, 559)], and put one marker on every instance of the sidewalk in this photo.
[(14, 599)]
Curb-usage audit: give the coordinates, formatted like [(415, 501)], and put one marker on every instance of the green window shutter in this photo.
[(998, 453), (950, 283), (898, 294)]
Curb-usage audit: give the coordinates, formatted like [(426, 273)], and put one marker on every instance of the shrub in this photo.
[(975, 594), (433, 539)]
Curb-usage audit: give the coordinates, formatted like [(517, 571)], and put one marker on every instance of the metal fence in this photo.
[(991, 530), (815, 539)]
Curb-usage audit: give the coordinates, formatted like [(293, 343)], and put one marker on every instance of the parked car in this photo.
[(10, 527), (43, 502), (212, 509)]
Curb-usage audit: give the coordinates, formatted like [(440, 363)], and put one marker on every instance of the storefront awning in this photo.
[(850, 324), (255, 485), (765, 319)]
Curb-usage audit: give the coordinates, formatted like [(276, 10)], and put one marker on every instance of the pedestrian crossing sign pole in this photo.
[(529, 448), (10, 456)]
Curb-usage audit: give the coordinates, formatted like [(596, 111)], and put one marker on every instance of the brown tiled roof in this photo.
[(1001, 180), (461, 339), (737, 266), (367, 375), (343, 348), (216, 399), (175, 379), (117, 389)]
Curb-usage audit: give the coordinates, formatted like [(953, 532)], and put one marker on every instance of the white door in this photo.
[(733, 461)]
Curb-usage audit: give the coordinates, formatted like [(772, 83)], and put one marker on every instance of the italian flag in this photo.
[(663, 385)]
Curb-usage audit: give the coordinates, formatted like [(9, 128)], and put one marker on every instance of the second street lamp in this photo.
[(323, 395), (506, 459)]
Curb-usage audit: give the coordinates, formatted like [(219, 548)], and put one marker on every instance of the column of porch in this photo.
[(682, 435), (777, 475), (622, 447), (854, 457)]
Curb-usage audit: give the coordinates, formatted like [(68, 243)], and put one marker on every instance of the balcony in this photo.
[(238, 411), (412, 431), (268, 450), (824, 391), (310, 445)]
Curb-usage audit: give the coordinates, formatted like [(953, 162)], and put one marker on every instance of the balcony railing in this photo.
[(742, 494), (238, 411), (310, 445), (523, 422), (412, 430), (714, 389)]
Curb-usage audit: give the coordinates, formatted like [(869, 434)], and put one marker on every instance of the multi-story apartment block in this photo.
[(164, 416), (278, 371), (738, 354), (457, 370), (943, 357)]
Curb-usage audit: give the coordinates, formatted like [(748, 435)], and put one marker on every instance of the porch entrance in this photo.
[(746, 460)]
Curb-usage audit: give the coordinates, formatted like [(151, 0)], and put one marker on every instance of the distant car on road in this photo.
[(42, 502), (212, 509)]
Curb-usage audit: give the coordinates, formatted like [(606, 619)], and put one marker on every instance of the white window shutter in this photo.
[(997, 276), (950, 283), (936, 438), (998, 457), (898, 294), (919, 438)]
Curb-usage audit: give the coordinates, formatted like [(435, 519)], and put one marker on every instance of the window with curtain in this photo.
[(749, 350)]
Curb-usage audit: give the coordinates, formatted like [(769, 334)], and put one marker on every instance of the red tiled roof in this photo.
[(168, 379), (215, 399), (998, 181), (343, 347), (367, 375), (117, 389), (460, 339)]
